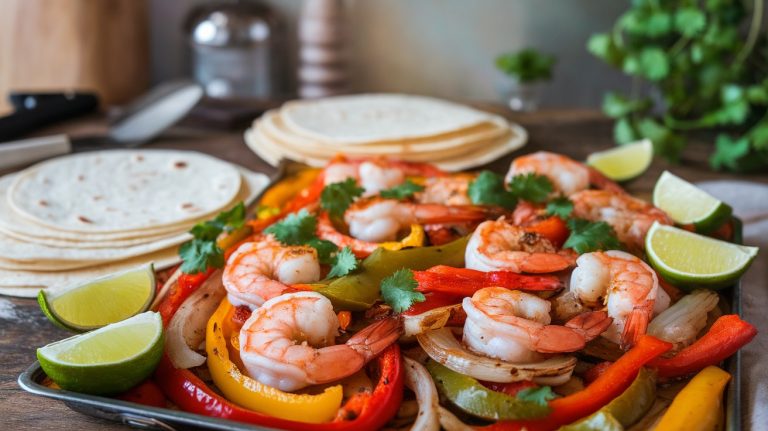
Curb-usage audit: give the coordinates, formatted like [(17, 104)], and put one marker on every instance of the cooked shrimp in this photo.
[(567, 175), (498, 245), (375, 175), (515, 326), (448, 190), (288, 343), (630, 217), (626, 285), (261, 270), (682, 322), (378, 219)]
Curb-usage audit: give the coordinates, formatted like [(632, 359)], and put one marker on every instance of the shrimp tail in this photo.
[(437, 213), (375, 338), (636, 324), (590, 324)]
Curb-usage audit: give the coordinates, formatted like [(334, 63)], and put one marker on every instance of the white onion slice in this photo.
[(418, 380), (428, 320), (186, 330), (451, 423), (443, 347)]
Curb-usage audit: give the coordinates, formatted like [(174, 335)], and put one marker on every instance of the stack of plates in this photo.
[(413, 128), (74, 218)]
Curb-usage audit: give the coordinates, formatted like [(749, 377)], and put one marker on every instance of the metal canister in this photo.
[(235, 49)]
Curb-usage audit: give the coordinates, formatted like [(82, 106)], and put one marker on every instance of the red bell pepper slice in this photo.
[(615, 380), (185, 285), (431, 301), (147, 393), (465, 282), (726, 336), (552, 228), (191, 394)]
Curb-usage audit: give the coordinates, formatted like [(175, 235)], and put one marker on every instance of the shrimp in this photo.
[(261, 270), (567, 175), (375, 175), (449, 190), (498, 245), (682, 322), (379, 219), (515, 326), (626, 285), (288, 343), (630, 217)]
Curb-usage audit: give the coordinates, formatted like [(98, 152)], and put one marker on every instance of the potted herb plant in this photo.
[(524, 72), (707, 63)]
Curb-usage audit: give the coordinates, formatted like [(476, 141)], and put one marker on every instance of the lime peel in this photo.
[(625, 162), (687, 204)]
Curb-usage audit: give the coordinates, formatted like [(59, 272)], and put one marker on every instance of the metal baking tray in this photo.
[(154, 418)]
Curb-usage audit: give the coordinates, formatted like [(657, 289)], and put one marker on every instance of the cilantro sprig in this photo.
[(337, 197), (343, 263), (399, 290), (587, 236), (539, 396), (560, 206), (531, 187), (202, 252), (488, 189), (402, 191)]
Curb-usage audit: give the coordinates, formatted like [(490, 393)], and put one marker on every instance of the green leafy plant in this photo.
[(527, 65), (708, 61)]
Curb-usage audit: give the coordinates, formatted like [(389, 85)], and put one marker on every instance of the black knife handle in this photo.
[(35, 110)]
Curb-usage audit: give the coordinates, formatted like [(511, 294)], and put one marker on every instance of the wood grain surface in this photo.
[(573, 132)]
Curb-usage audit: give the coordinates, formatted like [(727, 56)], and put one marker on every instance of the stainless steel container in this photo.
[(235, 49)]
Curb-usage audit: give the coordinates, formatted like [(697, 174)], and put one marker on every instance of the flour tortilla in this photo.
[(123, 190), (273, 153), (27, 283), (22, 229), (366, 118), (272, 125)]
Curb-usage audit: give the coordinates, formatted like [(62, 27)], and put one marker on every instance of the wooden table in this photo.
[(573, 132)]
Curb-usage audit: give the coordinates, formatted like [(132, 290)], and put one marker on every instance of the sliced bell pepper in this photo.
[(180, 291), (624, 410), (699, 406), (473, 398), (432, 300), (552, 228), (362, 249), (254, 395), (359, 291), (616, 379), (147, 393), (465, 282), (510, 388), (726, 336)]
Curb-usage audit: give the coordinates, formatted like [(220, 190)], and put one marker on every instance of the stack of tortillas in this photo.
[(413, 128), (77, 217)]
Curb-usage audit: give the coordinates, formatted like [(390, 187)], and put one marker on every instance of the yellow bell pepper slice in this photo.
[(286, 189), (414, 239), (251, 394), (699, 405)]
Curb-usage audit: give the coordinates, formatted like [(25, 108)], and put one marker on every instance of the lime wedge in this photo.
[(625, 162), (102, 301), (108, 360), (690, 260), (688, 204)]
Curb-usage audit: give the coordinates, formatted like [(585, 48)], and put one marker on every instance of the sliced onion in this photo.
[(186, 331), (435, 318), (451, 423), (443, 347), (418, 380)]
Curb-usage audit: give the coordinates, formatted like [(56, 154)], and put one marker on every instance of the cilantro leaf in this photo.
[(399, 290), (295, 229), (528, 65), (343, 263), (325, 249), (728, 151), (205, 231), (402, 191), (198, 255), (488, 189), (587, 236), (539, 396), (337, 197), (560, 206), (531, 187), (690, 20), (232, 219)]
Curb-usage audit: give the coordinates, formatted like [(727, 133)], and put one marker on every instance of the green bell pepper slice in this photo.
[(359, 291), (472, 397), (625, 410)]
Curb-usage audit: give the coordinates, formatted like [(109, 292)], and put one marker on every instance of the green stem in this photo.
[(678, 46), (754, 31)]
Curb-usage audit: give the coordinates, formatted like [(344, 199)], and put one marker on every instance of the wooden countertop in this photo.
[(23, 327)]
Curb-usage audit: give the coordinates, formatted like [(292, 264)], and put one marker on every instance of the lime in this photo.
[(108, 360), (625, 162), (690, 260), (688, 204), (102, 301)]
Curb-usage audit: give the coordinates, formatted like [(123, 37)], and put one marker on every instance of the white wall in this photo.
[(439, 47)]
